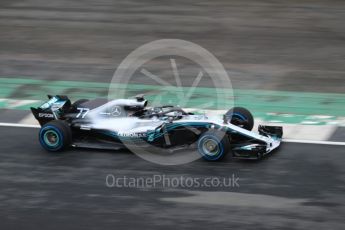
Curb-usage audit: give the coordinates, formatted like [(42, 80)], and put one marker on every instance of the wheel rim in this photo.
[(210, 147), (51, 138)]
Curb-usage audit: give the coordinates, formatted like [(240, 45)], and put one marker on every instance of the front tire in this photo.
[(213, 145), (241, 117), (55, 136)]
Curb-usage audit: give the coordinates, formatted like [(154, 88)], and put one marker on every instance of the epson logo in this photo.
[(46, 115)]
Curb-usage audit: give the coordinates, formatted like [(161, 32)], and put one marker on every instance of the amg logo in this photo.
[(132, 134), (46, 115)]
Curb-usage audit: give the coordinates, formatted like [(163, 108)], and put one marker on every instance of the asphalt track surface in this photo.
[(272, 45), (301, 186)]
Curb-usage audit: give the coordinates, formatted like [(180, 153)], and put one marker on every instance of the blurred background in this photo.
[(286, 61), (295, 45)]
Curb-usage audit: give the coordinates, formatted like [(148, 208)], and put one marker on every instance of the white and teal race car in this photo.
[(122, 123)]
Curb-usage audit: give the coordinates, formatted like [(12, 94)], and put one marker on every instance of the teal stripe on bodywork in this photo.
[(177, 125)]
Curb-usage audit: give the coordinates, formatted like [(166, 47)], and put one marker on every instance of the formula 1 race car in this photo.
[(120, 123)]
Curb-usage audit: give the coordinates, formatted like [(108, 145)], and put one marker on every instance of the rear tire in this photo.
[(241, 117), (55, 136), (213, 145)]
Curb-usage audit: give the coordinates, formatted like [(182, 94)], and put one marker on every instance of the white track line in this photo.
[(19, 125), (314, 142), (284, 140)]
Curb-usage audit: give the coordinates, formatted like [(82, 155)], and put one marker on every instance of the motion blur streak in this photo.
[(296, 45)]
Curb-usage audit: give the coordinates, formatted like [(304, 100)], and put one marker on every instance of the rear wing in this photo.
[(53, 109)]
